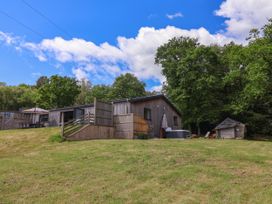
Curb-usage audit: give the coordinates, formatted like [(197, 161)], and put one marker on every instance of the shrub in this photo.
[(142, 136), (56, 138)]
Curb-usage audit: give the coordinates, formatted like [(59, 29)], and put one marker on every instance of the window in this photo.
[(175, 121), (147, 113)]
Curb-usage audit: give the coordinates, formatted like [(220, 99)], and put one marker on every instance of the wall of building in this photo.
[(130, 126), (54, 117), (240, 131), (91, 132), (158, 108), (228, 133), (121, 108), (123, 125)]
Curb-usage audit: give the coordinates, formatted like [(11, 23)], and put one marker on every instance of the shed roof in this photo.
[(72, 107), (131, 100), (227, 123), (149, 98)]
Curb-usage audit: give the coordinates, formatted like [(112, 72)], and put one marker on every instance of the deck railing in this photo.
[(74, 125)]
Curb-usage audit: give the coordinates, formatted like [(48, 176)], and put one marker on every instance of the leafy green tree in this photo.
[(41, 81), (15, 97), (127, 86), (193, 79), (58, 92), (84, 97), (2, 84), (101, 93)]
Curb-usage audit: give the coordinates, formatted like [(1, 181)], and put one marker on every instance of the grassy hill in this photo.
[(34, 170)]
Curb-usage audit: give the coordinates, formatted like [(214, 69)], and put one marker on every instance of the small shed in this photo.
[(230, 129)]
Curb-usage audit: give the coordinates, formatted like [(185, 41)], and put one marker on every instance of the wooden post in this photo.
[(95, 110), (112, 113), (62, 124)]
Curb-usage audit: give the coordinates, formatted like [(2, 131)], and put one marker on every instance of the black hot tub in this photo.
[(178, 134)]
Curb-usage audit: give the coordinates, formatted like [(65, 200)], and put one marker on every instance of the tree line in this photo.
[(58, 91), (206, 83), (209, 83)]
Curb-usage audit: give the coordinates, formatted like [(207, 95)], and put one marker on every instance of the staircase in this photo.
[(95, 125), (75, 125)]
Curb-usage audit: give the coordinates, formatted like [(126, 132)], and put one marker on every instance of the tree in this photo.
[(85, 92), (101, 93), (41, 81), (212, 82), (58, 92), (15, 97), (2, 84), (193, 79), (127, 86)]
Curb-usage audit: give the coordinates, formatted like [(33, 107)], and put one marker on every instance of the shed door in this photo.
[(227, 133)]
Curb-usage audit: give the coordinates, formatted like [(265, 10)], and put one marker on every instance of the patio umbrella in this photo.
[(35, 114), (164, 122), (36, 111)]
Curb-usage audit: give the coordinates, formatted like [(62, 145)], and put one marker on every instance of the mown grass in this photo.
[(35, 170)]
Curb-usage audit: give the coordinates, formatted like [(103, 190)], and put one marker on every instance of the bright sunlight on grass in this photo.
[(35, 170)]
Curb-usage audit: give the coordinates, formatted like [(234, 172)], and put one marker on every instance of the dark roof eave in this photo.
[(72, 107), (148, 98)]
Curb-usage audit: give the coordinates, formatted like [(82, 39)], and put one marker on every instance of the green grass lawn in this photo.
[(34, 170)]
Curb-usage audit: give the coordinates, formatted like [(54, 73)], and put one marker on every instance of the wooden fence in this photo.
[(103, 113), (13, 120)]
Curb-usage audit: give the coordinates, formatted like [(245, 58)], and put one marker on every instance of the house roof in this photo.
[(72, 107), (227, 123), (131, 100), (149, 98)]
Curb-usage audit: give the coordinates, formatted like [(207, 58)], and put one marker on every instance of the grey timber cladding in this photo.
[(103, 113), (124, 126), (122, 108), (55, 115), (158, 108)]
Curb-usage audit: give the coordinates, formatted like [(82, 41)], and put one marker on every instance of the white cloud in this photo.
[(35, 49), (156, 88), (80, 73), (175, 15), (243, 15), (103, 62), (80, 50), (36, 74), (7, 38), (134, 55), (140, 51)]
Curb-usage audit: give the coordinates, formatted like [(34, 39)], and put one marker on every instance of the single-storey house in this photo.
[(130, 116), (230, 129)]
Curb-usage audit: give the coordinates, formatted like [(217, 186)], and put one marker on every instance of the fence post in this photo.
[(112, 113), (62, 124), (95, 103)]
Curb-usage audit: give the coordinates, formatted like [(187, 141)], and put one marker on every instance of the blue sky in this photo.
[(99, 39)]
